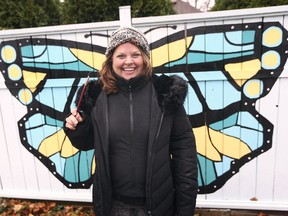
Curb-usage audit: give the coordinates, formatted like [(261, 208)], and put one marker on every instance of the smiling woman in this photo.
[(128, 48), (136, 122)]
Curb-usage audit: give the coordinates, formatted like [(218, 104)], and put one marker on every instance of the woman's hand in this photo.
[(73, 120)]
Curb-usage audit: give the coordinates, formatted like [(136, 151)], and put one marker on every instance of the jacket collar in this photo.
[(132, 84)]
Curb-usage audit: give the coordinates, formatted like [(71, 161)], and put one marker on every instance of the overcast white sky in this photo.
[(201, 4)]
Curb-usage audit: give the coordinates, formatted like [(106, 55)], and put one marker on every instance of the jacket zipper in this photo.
[(132, 135), (152, 160)]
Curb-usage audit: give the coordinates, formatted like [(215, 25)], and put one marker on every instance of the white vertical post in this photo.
[(125, 15)]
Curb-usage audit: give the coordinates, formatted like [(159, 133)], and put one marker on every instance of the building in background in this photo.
[(183, 7), (202, 5)]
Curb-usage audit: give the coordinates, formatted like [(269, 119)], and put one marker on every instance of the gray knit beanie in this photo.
[(127, 34)]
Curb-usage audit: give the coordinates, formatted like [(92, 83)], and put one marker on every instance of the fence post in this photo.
[(125, 15)]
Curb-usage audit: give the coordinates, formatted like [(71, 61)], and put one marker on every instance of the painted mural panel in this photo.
[(229, 68)]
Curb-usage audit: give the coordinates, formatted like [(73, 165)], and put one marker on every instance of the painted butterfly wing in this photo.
[(44, 75), (228, 68)]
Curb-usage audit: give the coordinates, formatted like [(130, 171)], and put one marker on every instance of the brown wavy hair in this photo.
[(108, 79)]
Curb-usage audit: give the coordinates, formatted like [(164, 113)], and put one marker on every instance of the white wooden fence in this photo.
[(235, 62)]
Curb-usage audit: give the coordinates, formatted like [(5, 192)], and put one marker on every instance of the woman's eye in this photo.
[(136, 55), (121, 56)]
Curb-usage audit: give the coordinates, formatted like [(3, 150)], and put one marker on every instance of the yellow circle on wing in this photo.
[(272, 37), (25, 96), (8, 54), (270, 60), (253, 88), (14, 72)]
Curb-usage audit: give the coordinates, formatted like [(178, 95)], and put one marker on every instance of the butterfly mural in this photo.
[(228, 68)]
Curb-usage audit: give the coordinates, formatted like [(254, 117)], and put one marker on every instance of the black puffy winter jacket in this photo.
[(171, 177)]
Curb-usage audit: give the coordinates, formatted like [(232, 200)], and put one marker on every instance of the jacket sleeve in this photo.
[(184, 164), (82, 137)]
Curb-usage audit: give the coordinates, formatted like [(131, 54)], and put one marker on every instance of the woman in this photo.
[(144, 146)]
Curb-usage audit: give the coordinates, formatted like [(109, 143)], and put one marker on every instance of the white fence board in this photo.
[(281, 159)]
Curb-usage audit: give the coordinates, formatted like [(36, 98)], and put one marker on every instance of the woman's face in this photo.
[(127, 61)]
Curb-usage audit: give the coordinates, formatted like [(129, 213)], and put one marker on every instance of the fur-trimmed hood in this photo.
[(171, 93)]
